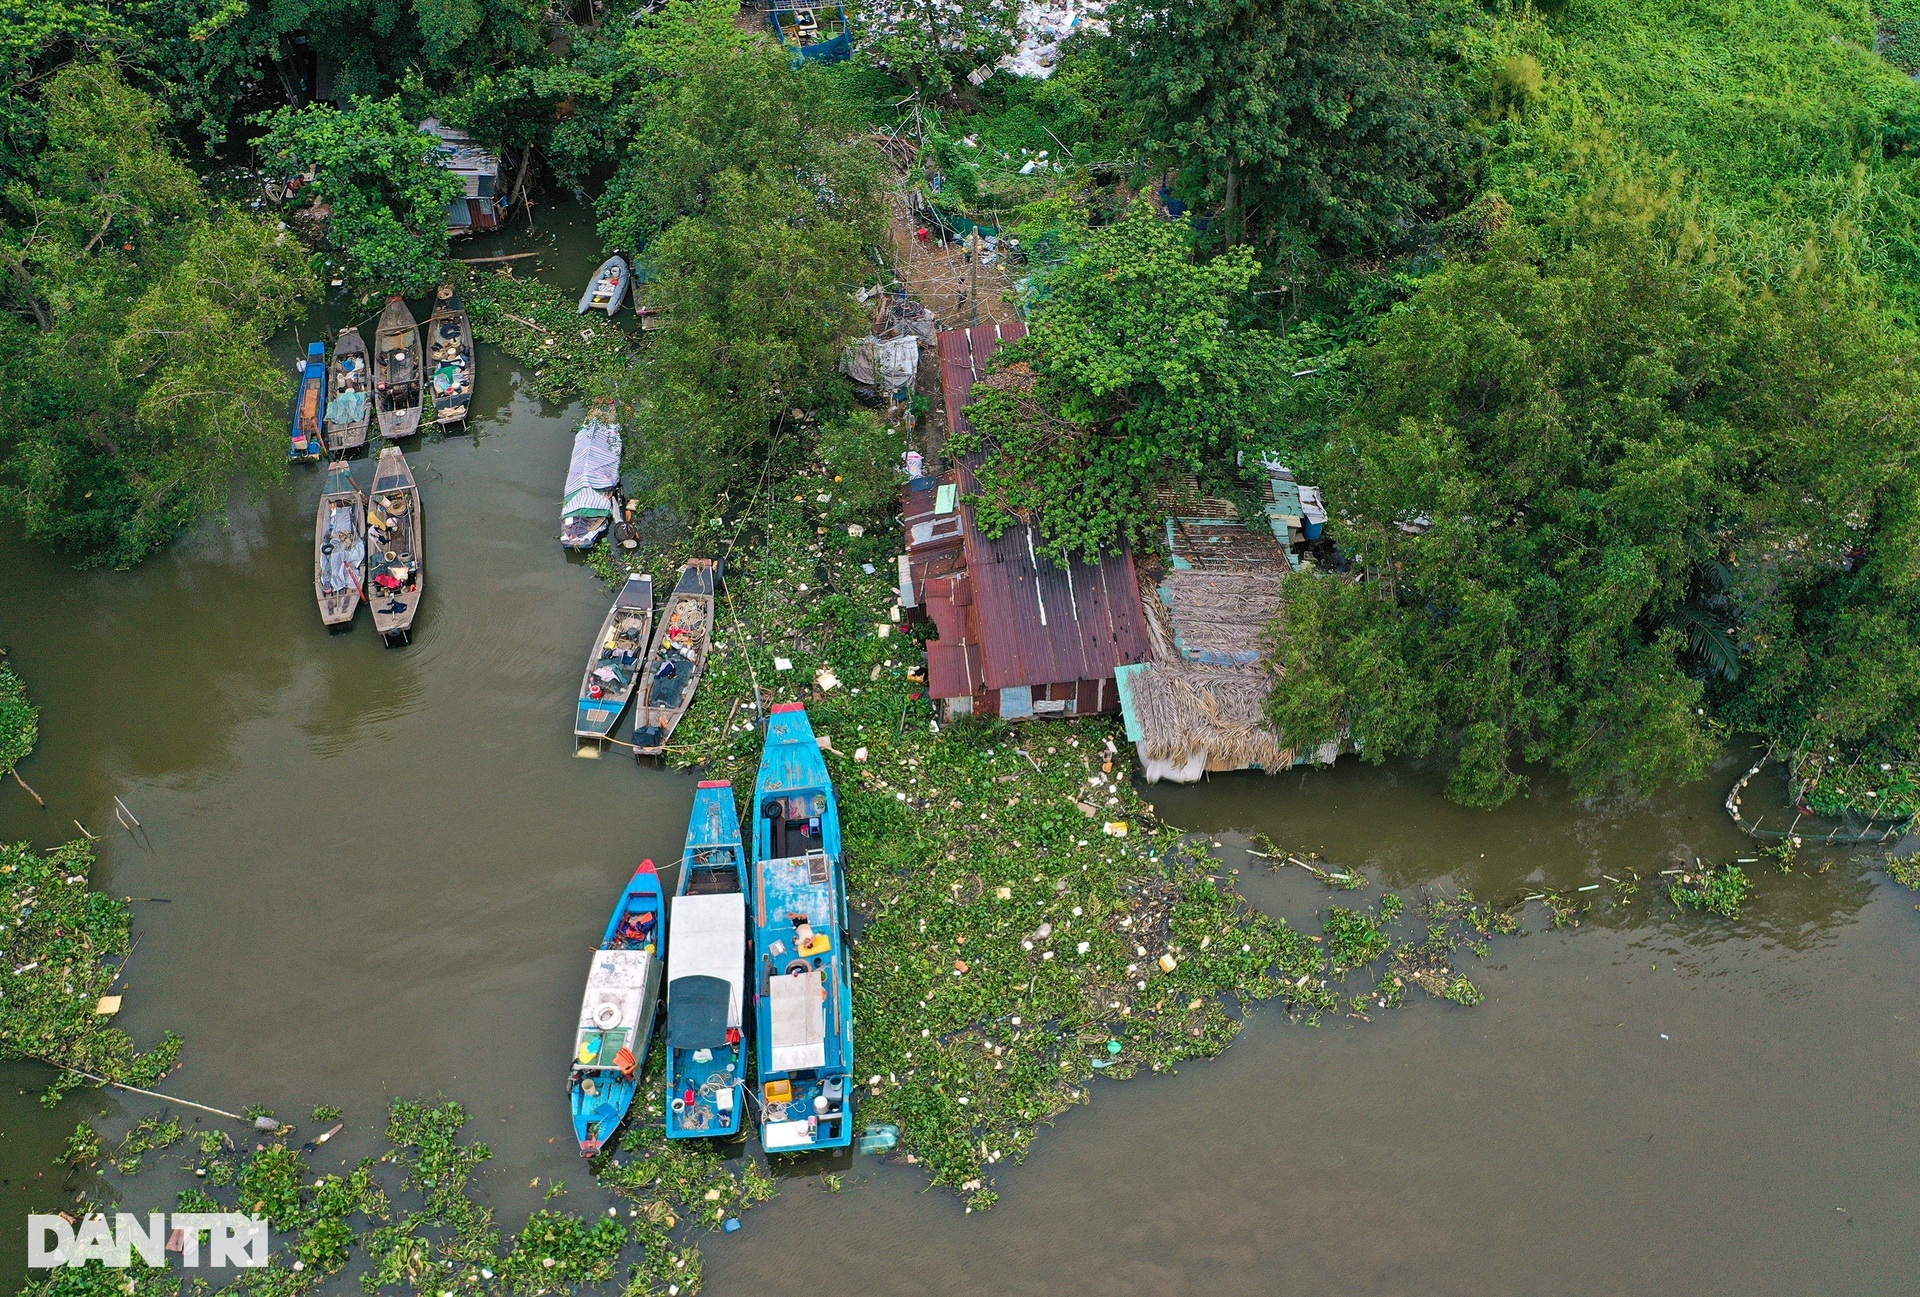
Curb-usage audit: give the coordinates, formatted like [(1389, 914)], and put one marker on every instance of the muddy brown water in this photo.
[(384, 870)]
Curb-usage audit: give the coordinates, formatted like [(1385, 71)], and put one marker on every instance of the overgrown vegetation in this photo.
[(59, 946), (415, 1219), (1719, 889), (132, 363)]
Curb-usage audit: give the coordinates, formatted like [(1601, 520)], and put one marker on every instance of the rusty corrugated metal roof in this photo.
[(964, 355)]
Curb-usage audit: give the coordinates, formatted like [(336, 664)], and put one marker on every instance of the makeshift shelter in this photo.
[(1018, 635), (593, 472), (483, 207), (1200, 704)]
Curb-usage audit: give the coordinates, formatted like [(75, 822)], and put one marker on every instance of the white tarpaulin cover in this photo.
[(616, 991), (799, 1021), (707, 937), (340, 567), (593, 471), (884, 364)]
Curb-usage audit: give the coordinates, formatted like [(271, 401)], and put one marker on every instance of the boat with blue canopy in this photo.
[(616, 1015), (707, 973), (304, 435), (803, 1020)]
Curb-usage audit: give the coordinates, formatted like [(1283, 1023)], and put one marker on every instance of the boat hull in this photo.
[(677, 661), (707, 1060), (803, 1020), (613, 664), (615, 1032)]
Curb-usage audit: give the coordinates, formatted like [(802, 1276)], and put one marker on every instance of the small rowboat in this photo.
[(396, 371), (449, 358), (304, 439), (614, 663), (706, 971), (803, 988), (608, 288), (678, 658), (340, 547), (396, 548), (616, 1016), (350, 388)]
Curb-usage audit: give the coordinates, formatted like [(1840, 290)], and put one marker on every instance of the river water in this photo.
[(383, 871)]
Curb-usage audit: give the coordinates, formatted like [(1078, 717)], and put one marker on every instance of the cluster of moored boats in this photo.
[(371, 548), (748, 957), (751, 951)]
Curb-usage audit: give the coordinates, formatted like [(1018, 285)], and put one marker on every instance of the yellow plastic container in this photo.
[(779, 1092)]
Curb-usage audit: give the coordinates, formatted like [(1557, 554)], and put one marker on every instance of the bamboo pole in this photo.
[(24, 784), (151, 1094)]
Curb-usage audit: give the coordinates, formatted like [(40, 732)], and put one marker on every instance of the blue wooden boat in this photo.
[(707, 973), (306, 435), (803, 1019), (616, 1016)]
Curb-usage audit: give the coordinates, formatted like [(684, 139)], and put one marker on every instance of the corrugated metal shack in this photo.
[(484, 207), (1199, 704), (1018, 635)]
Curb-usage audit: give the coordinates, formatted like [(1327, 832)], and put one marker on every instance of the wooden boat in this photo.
[(396, 371), (590, 500), (706, 973), (608, 287), (616, 1015), (678, 659), (304, 435), (614, 662), (350, 399), (340, 546), (396, 548), (449, 358), (803, 1005)]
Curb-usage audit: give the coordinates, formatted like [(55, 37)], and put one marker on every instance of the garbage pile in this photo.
[(1043, 26)]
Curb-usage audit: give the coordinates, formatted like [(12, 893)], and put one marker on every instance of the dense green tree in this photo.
[(1548, 452), (756, 290), (1333, 115), (748, 113), (132, 362), (377, 173), (1140, 364), (583, 112)]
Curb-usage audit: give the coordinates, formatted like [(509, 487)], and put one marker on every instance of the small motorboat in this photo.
[(396, 548), (616, 1016), (449, 358), (396, 371), (706, 973), (614, 663), (350, 388), (608, 288), (677, 660), (340, 546), (803, 1001), (593, 476), (304, 436)]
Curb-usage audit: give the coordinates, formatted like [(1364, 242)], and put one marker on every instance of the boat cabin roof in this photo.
[(610, 1012)]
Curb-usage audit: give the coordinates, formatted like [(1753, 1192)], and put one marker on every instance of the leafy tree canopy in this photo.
[(1333, 115), (377, 172), (132, 360), (1550, 453), (1140, 364), (746, 112)]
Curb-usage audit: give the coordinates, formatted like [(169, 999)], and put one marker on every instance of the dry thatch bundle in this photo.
[(1224, 612), (1186, 707)]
